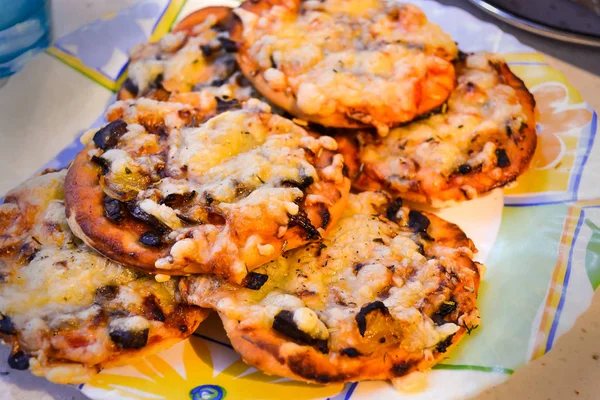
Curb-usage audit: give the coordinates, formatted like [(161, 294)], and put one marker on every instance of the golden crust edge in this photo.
[(274, 355), (365, 180), (287, 102)]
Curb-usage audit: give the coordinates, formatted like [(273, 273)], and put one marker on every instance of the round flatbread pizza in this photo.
[(483, 139), (388, 291), (223, 197), (193, 64), (345, 63), (67, 311)]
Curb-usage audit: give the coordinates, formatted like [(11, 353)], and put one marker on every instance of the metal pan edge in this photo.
[(536, 28)]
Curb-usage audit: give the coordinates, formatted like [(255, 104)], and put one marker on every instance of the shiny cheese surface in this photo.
[(482, 115), (189, 67), (367, 59), (63, 299), (230, 185), (365, 259)]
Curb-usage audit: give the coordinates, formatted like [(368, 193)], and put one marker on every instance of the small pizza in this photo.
[(345, 63), (223, 197), (193, 64), (67, 311), (483, 139), (388, 291)]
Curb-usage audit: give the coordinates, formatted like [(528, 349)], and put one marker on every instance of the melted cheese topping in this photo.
[(239, 153), (23, 219), (65, 299), (238, 175), (366, 59), (181, 64), (366, 258), (73, 276), (480, 112)]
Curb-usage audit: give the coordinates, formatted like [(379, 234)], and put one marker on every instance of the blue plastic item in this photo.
[(24, 32)]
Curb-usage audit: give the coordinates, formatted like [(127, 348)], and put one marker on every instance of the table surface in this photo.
[(570, 371)]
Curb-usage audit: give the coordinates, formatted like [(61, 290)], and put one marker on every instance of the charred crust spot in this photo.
[(151, 239), (129, 339), (226, 105), (219, 82), (29, 250), (175, 200), (357, 267), (417, 221), (361, 317), (498, 68), (157, 129), (151, 309), (241, 190), (350, 352), (401, 368), (187, 219), (464, 169), (302, 220), (503, 160), (300, 365), (462, 56), (208, 198), (273, 62), (102, 163), (323, 212), (392, 210), (182, 328), (320, 249), (255, 280), (442, 346), (268, 346), (447, 308), (230, 68), (99, 319), (118, 313), (284, 324), (216, 219), (114, 210), (228, 45), (421, 249), (130, 86), (241, 81), (441, 109), (159, 79), (108, 136), (304, 182), (19, 361), (139, 214), (346, 171), (106, 293), (207, 50), (6, 325)]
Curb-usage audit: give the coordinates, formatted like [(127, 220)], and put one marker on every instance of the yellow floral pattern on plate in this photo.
[(154, 377), (564, 128)]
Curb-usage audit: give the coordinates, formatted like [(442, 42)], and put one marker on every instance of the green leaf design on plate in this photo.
[(507, 371), (592, 255)]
